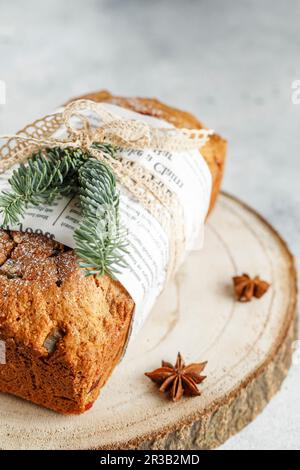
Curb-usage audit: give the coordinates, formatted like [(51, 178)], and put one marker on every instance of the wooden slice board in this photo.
[(248, 347)]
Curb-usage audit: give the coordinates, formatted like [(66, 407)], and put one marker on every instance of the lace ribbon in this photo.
[(86, 122)]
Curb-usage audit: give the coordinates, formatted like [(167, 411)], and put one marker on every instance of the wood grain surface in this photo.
[(248, 347)]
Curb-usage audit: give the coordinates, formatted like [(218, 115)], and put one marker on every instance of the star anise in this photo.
[(247, 287), (179, 379)]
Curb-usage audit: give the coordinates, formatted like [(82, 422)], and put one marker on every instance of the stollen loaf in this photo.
[(62, 332)]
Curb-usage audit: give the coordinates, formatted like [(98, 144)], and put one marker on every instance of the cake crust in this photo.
[(64, 332)]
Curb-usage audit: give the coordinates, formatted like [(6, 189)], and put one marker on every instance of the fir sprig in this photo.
[(100, 241), (47, 174)]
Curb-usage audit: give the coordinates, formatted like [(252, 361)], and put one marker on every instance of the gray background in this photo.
[(231, 63)]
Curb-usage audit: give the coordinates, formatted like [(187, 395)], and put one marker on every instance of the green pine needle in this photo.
[(47, 174), (100, 243), (99, 240)]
